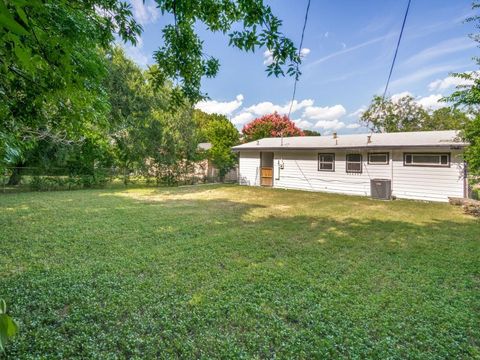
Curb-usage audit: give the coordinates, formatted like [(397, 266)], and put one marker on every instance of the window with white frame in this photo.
[(424, 159), (354, 163), (326, 162), (378, 158)]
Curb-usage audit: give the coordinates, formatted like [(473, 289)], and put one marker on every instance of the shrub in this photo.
[(47, 183), (472, 208), (476, 194)]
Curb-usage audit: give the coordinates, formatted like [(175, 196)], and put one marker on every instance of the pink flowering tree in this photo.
[(272, 125)]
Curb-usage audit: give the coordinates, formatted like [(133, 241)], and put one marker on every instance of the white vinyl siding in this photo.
[(249, 168), (432, 183), (301, 171)]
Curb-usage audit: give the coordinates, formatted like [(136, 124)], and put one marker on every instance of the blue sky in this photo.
[(349, 46)]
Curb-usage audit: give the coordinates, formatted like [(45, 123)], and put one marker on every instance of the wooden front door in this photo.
[(266, 176)]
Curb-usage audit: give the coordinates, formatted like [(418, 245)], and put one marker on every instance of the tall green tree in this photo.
[(386, 115), (51, 70), (222, 134), (467, 96), (311, 132), (446, 118), (131, 99)]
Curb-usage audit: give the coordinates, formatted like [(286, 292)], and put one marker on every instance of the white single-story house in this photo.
[(426, 165)]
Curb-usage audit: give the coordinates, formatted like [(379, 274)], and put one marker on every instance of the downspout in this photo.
[(391, 173), (466, 189)]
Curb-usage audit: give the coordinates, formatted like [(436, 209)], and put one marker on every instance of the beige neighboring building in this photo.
[(206, 169)]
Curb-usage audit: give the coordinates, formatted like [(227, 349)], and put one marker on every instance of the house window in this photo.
[(420, 159), (326, 162), (354, 163), (378, 158)]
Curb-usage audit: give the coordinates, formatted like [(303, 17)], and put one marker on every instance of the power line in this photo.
[(299, 55), (396, 50)]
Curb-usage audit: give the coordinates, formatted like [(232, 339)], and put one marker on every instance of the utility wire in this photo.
[(396, 51), (299, 54)]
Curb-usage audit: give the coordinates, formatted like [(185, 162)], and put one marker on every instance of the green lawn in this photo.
[(238, 272)]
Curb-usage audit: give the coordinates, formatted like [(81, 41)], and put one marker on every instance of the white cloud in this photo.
[(267, 57), (443, 48), (326, 117), (358, 112), (304, 52), (145, 13), (330, 124), (398, 96), (303, 124), (242, 118), (431, 102), (267, 107), (448, 82), (344, 46), (327, 34), (423, 73), (218, 107), (353, 48), (136, 53), (327, 113)]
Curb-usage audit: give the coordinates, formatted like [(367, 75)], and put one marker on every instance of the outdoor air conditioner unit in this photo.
[(381, 189)]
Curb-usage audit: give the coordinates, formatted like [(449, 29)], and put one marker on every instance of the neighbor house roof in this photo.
[(447, 138), (204, 146)]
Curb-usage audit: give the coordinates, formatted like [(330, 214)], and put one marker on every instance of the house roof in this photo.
[(447, 138)]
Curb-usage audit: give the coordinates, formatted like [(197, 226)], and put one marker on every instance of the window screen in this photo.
[(326, 162), (420, 159), (378, 158), (354, 163)]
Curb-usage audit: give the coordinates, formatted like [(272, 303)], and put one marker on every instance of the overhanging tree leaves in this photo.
[(467, 96), (8, 326), (249, 24), (51, 69)]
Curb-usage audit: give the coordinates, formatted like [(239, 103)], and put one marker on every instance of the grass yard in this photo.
[(238, 272)]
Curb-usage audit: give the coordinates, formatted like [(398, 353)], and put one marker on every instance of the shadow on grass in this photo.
[(110, 276)]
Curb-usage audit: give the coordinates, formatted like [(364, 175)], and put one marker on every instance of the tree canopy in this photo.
[(311, 133), (272, 125), (405, 114), (70, 98), (51, 33), (222, 134), (467, 97), (387, 115)]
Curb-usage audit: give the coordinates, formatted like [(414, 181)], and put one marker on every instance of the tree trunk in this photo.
[(16, 176)]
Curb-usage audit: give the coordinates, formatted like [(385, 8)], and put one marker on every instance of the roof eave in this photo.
[(462, 145)]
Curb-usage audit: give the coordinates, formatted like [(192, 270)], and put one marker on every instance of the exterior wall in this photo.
[(428, 183), (249, 168), (300, 171)]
